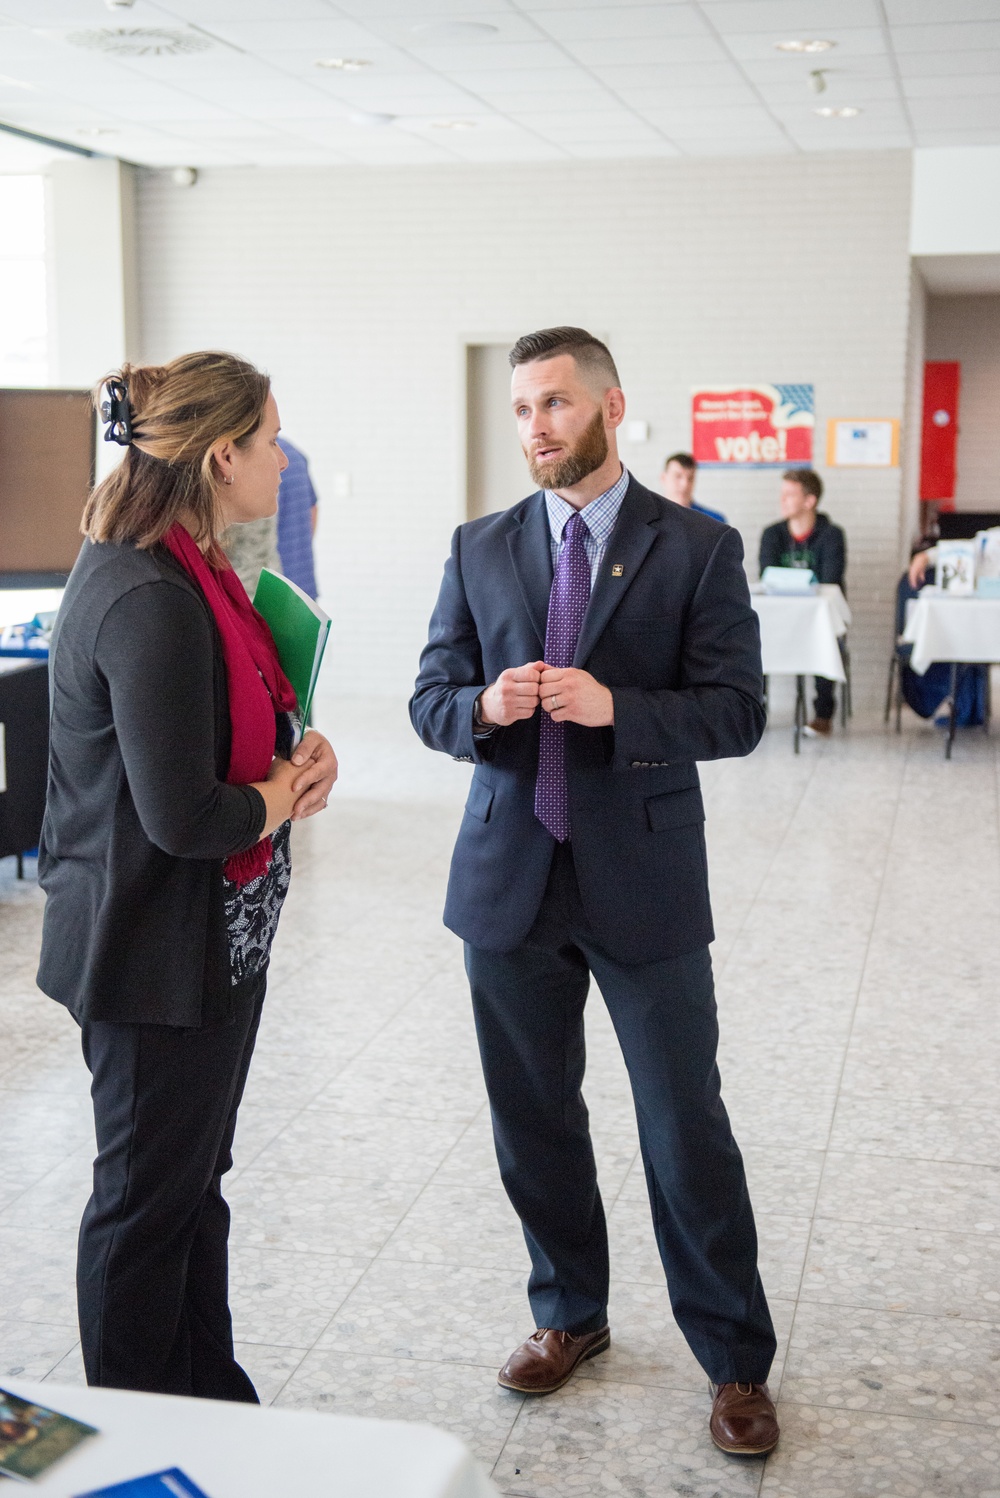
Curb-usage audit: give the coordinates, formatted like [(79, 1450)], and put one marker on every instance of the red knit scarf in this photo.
[(257, 684)]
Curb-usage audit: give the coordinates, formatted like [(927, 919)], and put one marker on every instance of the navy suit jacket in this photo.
[(671, 632)]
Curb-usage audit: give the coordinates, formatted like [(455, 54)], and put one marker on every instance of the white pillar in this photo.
[(90, 206)]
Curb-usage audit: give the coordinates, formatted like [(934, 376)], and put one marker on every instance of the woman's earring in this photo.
[(229, 480)]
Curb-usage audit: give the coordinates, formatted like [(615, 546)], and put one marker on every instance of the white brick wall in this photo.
[(967, 328), (358, 288)]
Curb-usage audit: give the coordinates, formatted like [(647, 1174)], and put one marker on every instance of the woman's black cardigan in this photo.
[(139, 819)]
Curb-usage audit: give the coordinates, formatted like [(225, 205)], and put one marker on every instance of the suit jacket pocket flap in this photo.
[(480, 800), (675, 809)]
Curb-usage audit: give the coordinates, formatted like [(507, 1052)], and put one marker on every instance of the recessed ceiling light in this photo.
[(454, 31), (344, 64), (453, 124), (373, 120), (845, 112), (141, 41), (808, 44)]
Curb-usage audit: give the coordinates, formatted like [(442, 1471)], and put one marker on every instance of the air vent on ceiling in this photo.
[(141, 41)]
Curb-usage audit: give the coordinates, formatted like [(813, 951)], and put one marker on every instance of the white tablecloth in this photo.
[(943, 628), (248, 1451), (798, 636)]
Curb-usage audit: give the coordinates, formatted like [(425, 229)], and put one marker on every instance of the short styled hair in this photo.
[(592, 356), (683, 460), (807, 478)]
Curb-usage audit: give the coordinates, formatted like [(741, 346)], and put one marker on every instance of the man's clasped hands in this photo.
[(568, 696)]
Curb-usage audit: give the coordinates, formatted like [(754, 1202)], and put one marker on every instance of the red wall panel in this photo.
[(939, 436)]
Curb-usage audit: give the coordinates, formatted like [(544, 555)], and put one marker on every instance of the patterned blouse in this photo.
[(252, 911)]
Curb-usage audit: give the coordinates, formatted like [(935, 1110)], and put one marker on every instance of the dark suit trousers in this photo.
[(528, 1006), (152, 1269)]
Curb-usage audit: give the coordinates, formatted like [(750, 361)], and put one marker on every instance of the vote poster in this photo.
[(752, 426)]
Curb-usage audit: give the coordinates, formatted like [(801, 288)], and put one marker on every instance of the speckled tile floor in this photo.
[(377, 1268)]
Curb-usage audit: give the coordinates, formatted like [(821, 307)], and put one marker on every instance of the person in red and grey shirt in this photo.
[(805, 538)]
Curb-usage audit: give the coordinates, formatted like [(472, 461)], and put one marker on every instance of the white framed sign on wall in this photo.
[(862, 443)]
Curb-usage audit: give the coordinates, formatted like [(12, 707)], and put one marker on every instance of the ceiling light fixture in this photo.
[(344, 64), (454, 31), (141, 41), (845, 112), (453, 124), (372, 120), (809, 44)]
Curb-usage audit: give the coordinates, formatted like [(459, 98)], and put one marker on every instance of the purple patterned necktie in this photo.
[(567, 605)]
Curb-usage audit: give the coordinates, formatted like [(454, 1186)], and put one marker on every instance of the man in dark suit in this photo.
[(588, 646)]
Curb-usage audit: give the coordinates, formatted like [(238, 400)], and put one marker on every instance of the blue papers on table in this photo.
[(169, 1484), (794, 581)]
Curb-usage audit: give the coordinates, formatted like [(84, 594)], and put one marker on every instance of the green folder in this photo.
[(300, 629)]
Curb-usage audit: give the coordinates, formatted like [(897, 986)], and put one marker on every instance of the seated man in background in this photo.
[(929, 695), (677, 483), (806, 538)]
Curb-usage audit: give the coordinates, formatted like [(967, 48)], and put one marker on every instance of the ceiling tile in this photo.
[(610, 150), (562, 80), (794, 17), (606, 22), (963, 37), (624, 79), (958, 137), (208, 12), (948, 64), (671, 50), (501, 56), (945, 88), (597, 127), (735, 92), (956, 114), (911, 12), (776, 145)]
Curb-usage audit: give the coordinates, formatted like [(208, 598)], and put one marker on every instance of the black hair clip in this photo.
[(117, 414)]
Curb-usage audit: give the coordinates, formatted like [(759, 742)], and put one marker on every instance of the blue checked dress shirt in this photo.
[(599, 517), (599, 521)]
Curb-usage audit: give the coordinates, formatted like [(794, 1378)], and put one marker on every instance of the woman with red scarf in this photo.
[(173, 782)]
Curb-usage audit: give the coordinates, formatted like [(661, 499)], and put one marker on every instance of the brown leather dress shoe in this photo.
[(743, 1419), (549, 1358)]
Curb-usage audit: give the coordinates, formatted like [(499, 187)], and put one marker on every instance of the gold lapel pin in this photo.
[(618, 570)]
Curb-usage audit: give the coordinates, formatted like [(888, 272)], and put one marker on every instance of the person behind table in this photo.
[(929, 695), (581, 854), (165, 856), (297, 514), (677, 482), (806, 538)]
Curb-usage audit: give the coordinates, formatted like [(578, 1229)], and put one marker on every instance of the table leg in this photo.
[(800, 709), (20, 865), (952, 710)]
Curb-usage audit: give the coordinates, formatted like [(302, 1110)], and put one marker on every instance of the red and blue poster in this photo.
[(752, 426)]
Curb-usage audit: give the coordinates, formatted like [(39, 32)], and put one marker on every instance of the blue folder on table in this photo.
[(169, 1484)]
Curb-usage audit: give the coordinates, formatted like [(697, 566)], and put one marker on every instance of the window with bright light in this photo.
[(23, 345)]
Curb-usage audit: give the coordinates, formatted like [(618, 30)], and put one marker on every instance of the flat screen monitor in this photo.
[(47, 449), (961, 525)]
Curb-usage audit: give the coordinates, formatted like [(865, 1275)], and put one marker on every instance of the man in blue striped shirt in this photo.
[(297, 519)]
